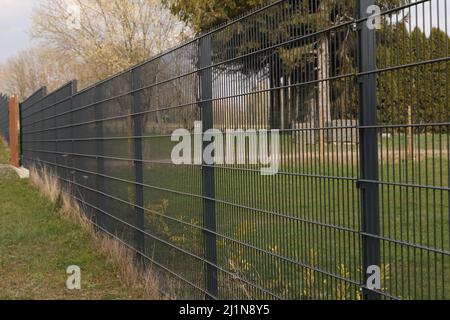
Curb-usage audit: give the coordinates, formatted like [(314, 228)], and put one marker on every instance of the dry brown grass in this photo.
[(121, 256)]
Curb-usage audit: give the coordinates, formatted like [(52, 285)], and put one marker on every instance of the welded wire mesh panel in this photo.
[(292, 235), (4, 117), (41, 127), (29, 123), (115, 175), (83, 135), (167, 92), (102, 161), (62, 121), (413, 133)]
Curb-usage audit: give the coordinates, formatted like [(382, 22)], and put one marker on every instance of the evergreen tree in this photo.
[(305, 57)]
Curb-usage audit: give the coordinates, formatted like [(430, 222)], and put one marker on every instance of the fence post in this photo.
[(370, 218), (21, 162), (13, 131), (209, 206), (138, 166)]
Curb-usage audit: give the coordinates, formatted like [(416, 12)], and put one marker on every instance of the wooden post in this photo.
[(14, 131)]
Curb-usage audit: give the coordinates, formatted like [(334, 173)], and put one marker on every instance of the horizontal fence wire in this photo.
[(363, 166), (4, 118)]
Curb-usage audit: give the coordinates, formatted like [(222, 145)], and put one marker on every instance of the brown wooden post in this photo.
[(14, 131)]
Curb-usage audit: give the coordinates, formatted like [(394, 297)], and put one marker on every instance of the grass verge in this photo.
[(39, 239)]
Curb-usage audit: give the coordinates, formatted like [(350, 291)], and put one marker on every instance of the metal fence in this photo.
[(362, 108), (4, 117)]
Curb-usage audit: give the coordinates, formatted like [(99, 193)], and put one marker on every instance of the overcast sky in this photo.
[(437, 10), (15, 20)]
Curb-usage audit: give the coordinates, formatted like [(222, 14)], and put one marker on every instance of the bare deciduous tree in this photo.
[(111, 35), (34, 68)]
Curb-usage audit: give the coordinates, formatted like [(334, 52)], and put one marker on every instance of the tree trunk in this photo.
[(286, 103), (323, 114), (275, 94), (293, 99)]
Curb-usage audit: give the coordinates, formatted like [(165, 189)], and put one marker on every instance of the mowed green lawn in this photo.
[(298, 234), (37, 246), (316, 222)]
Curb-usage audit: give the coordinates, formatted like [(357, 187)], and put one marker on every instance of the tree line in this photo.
[(116, 34)]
